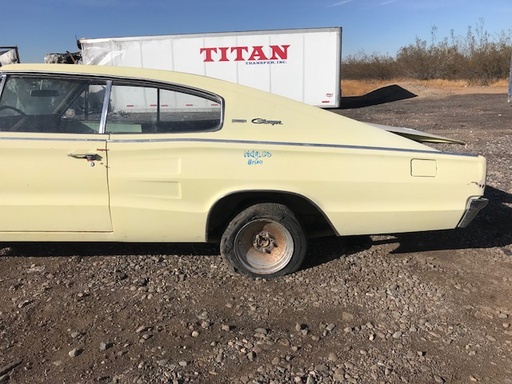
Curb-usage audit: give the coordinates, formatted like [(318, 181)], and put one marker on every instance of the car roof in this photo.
[(305, 123), (166, 76)]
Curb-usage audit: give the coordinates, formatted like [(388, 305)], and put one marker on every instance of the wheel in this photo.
[(264, 240)]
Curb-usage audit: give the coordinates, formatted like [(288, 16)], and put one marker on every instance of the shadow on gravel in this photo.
[(324, 250), (379, 96), (107, 249), (320, 250), (491, 228)]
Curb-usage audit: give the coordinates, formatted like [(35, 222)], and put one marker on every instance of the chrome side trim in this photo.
[(286, 143), (82, 138), (109, 138)]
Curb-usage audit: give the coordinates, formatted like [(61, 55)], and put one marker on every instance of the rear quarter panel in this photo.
[(165, 191)]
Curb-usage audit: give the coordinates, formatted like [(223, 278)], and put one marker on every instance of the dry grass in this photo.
[(362, 87)]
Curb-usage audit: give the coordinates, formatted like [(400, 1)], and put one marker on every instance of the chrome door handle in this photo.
[(86, 156)]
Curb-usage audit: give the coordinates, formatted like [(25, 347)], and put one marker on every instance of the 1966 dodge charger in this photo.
[(123, 154)]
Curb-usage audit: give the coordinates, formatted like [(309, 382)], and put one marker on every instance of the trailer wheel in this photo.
[(264, 240)]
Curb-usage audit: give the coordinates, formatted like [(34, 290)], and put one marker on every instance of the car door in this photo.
[(155, 171), (53, 176)]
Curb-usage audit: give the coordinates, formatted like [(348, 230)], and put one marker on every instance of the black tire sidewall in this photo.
[(265, 211)]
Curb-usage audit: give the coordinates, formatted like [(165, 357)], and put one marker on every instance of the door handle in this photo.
[(86, 156)]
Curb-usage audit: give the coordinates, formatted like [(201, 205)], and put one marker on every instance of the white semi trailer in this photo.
[(302, 64)]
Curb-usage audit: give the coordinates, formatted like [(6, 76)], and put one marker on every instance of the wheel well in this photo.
[(311, 217)]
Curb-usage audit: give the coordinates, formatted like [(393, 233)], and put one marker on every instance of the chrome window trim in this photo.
[(106, 105), (178, 89), (118, 80), (2, 83)]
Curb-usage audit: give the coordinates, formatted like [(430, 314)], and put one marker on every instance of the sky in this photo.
[(379, 27)]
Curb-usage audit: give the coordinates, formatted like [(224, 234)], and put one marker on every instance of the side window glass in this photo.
[(83, 114), (142, 109), (51, 105)]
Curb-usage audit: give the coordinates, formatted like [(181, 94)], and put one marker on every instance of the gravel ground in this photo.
[(414, 308)]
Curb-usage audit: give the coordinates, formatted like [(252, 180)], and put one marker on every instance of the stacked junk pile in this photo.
[(9, 55)]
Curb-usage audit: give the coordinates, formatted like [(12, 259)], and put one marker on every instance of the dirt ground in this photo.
[(412, 308)]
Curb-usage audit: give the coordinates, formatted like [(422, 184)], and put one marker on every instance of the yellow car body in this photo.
[(118, 182)]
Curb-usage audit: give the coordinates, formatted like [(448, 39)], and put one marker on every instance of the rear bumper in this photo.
[(473, 207)]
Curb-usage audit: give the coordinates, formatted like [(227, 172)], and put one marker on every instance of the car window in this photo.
[(51, 105), (147, 109)]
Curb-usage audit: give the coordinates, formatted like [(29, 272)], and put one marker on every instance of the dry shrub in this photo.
[(502, 83), (443, 83), (478, 58), (362, 87)]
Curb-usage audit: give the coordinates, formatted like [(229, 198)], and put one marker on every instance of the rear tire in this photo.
[(264, 240)]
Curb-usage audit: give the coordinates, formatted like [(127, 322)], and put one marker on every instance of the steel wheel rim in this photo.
[(264, 246)]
